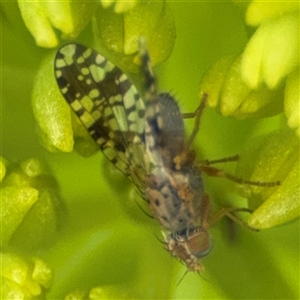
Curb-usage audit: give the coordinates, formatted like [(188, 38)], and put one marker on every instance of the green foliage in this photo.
[(275, 157), (29, 206), (23, 278), (106, 247)]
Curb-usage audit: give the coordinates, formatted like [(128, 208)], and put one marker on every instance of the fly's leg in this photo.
[(197, 115), (204, 166), (221, 173), (208, 219), (205, 212), (187, 156), (230, 213), (217, 161)]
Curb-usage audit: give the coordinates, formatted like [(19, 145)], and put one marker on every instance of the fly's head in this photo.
[(189, 246)]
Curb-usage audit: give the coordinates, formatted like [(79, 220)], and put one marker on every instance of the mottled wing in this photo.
[(107, 104)]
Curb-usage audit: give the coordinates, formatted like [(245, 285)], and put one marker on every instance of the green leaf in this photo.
[(30, 206), (274, 158), (119, 33), (50, 109), (15, 204)]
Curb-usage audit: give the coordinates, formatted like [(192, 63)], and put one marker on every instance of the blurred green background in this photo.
[(106, 240)]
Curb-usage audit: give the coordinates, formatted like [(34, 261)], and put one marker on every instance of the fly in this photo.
[(142, 134)]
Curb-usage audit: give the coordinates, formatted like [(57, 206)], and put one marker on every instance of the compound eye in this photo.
[(199, 242)]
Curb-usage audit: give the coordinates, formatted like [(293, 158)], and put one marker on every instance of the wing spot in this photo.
[(98, 74), (100, 59), (87, 53), (94, 93), (96, 115), (76, 105), (85, 71), (109, 66), (86, 119), (60, 63), (87, 103), (58, 73), (123, 78), (80, 60), (64, 90), (98, 102)]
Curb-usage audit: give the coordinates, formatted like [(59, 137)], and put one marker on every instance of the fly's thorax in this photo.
[(172, 133), (175, 197), (164, 129), (189, 246)]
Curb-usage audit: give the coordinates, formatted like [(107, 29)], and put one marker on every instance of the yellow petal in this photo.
[(292, 101), (15, 203), (252, 59), (258, 11), (35, 18), (234, 90), (272, 52), (281, 51)]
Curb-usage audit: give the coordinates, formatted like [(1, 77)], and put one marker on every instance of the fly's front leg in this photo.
[(197, 115), (187, 156), (205, 212)]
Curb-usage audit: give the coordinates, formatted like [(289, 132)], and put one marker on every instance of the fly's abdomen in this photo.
[(174, 199)]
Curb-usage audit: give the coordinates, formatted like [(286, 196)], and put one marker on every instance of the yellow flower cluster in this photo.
[(29, 205), (23, 278), (43, 17), (272, 54), (254, 83)]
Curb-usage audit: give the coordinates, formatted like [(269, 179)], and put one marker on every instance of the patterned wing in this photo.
[(107, 104)]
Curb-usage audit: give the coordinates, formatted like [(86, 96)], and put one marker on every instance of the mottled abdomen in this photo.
[(175, 197)]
